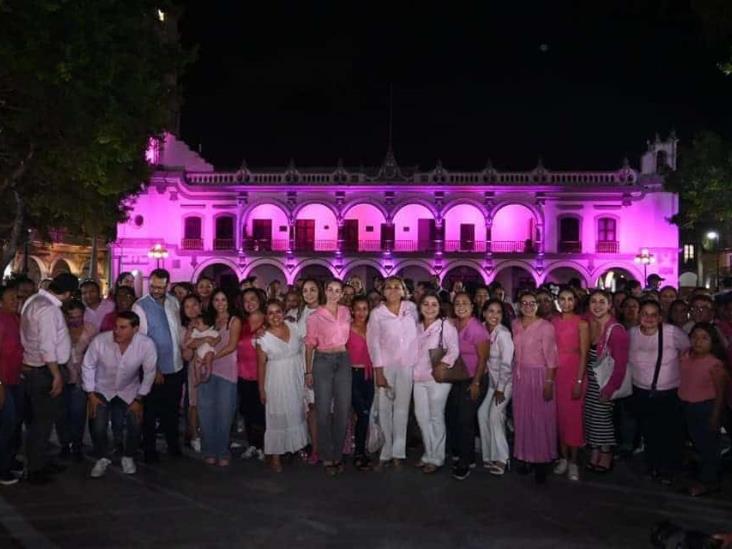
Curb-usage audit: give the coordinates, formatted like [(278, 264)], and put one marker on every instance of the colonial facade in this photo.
[(520, 228)]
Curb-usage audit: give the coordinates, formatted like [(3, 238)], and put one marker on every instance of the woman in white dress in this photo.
[(279, 358)]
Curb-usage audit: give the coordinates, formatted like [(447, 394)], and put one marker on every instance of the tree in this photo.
[(703, 181), (84, 86)]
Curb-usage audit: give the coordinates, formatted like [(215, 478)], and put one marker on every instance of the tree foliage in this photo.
[(703, 181), (84, 85)]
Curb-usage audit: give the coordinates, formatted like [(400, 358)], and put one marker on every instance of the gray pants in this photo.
[(332, 384), (44, 409)]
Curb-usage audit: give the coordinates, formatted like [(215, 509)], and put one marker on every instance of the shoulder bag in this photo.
[(604, 370), (440, 372)]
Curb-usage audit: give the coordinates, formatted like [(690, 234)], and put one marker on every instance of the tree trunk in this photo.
[(11, 246)]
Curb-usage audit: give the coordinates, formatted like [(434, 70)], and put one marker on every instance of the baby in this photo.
[(205, 352)]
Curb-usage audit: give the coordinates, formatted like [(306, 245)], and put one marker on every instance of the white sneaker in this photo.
[(100, 467), (249, 453), (196, 444), (260, 455), (561, 467), (128, 466), (573, 473)]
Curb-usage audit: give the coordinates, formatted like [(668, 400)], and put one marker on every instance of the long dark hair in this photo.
[(230, 306), (717, 347), (184, 320), (430, 293), (505, 320)]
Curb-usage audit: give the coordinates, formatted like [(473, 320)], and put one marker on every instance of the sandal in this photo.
[(362, 463), (429, 468), (600, 468), (497, 469)]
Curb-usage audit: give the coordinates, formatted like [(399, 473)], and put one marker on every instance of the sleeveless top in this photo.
[(225, 367)]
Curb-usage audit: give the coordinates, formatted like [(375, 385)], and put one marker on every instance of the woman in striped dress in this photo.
[(607, 335)]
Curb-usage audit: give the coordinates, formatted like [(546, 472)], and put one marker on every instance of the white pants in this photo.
[(492, 423), (430, 399), (394, 414)]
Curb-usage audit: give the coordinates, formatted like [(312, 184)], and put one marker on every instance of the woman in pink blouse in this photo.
[(392, 342), (534, 408), (328, 371), (362, 382)]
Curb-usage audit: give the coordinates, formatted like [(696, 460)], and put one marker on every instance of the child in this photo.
[(205, 352)]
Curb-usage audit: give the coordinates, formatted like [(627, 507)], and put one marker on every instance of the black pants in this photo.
[(708, 442), (661, 422), (44, 410), (162, 403), (99, 423), (252, 410), (461, 412), (362, 396)]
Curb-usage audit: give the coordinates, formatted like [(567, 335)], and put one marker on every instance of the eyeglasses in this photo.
[(699, 309)]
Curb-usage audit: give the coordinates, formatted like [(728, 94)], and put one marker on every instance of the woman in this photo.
[(181, 290), (492, 412), (250, 405), (355, 282), (462, 405), (608, 337), (666, 296), (573, 342), (702, 391), (312, 297), (392, 342), (362, 383), (629, 311), (70, 428), (430, 397), (328, 372), (190, 310), (479, 299), (125, 279), (678, 313), (11, 388), (279, 355), (204, 290), (534, 409), (124, 299), (293, 305), (546, 308), (653, 359), (217, 397)]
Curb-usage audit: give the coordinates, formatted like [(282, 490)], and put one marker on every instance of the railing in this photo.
[(369, 245), (512, 246), (465, 245), (191, 244), (570, 246), (223, 244), (607, 247), (265, 245)]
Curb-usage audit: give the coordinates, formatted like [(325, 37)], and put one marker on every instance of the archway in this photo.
[(414, 229), (514, 230), (469, 276), (417, 273), (514, 279), (562, 276), (316, 229), (367, 274), (61, 266), (266, 273), (362, 228), (464, 229), (614, 278), (266, 228), (316, 271), (224, 276)]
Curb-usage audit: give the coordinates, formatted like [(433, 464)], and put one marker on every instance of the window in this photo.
[(569, 235), (606, 230), (225, 227), (192, 227), (688, 253)]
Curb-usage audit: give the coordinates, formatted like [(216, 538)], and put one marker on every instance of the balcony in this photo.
[(570, 247), (513, 247), (607, 247), (223, 244), (465, 246), (191, 244), (317, 246), (265, 245)]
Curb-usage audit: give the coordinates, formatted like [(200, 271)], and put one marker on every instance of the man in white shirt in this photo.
[(111, 376), (46, 347), (96, 307)]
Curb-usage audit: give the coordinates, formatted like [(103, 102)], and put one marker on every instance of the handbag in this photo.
[(604, 370), (375, 436), (440, 372)]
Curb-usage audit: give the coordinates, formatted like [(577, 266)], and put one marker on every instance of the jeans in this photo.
[(332, 384), (461, 414), (44, 409), (252, 410), (661, 423), (8, 422), (70, 425), (162, 403), (98, 427), (708, 442), (216, 408), (362, 396)]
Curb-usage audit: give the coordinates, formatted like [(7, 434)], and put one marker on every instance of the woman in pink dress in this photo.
[(534, 408), (573, 342)]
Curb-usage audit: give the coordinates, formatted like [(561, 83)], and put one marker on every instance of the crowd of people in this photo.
[(558, 380)]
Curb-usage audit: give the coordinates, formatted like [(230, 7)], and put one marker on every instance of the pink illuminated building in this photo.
[(520, 228)]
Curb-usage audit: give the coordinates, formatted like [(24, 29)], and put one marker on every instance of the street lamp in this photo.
[(645, 258), (158, 252), (713, 236)]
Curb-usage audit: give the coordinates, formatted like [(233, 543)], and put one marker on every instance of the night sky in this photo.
[(310, 81)]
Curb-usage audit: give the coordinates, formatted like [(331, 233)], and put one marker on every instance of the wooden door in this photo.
[(305, 235)]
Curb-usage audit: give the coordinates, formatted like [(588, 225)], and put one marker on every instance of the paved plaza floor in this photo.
[(184, 503)]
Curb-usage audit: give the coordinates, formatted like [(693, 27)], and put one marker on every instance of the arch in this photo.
[(568, 270), (36, 269), (465, 229), (269, 234), (509, 274), (296, 211), (60, 265), (226, 277), (273, 202), (319, 232), (514, 228), (365, 234), (417, 271), (367, 270), (688, 280), (359, 201), (417, 263), (198, 271), (605, 242), (297, 271), (538, 215), (599, 274), (266, 272), (464, 201), (469, 272), (412, 200), (407, 222)]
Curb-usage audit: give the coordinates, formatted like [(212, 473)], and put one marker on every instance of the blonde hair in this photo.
[(405, 292)]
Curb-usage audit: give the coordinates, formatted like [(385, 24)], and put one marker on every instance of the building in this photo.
[(519, 228)]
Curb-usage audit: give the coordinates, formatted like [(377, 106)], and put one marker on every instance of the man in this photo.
[(25, 287), (110, 375), (653, 282), (633, 287), (11, 389), (701, 309), (46, 347), (96, 307), (160, 320)]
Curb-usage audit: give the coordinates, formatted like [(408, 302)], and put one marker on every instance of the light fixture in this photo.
[(712, 235)]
